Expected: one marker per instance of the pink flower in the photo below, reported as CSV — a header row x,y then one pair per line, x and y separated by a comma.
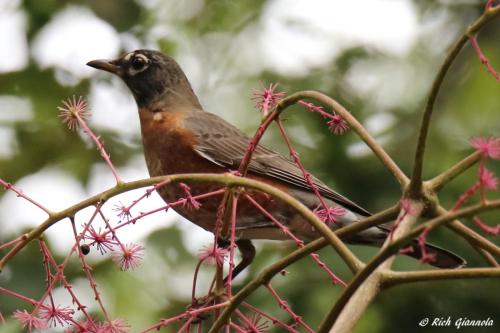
x,y
487,179
489,147
189,200
102,241
123,212
73,111
267,98
330,214
57,315
213,255
129,256
337,125
30,321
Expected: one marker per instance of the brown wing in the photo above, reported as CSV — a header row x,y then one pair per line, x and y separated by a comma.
x,y
225,145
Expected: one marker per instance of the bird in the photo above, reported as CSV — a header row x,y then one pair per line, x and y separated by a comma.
x,y
179,136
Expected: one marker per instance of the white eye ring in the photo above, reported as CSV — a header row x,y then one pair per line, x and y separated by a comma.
x,y
138,63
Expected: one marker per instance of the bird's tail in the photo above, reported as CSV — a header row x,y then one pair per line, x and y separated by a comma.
x,y
441,258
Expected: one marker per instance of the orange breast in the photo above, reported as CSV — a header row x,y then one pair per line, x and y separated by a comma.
x,y
168,149
168,146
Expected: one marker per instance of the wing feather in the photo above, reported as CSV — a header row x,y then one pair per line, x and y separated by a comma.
x,y
224,144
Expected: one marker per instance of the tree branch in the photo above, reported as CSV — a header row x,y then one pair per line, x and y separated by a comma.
x,y
227,179
475,239
415,186
354,124
391,278
392,248
437,183
267,274
366,284
489,258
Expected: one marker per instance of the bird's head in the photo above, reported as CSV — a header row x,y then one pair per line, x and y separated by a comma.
x,y
151,76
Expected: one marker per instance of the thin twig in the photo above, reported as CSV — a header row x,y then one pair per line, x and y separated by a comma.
x,y
19,193
88,271
305,174
100,147
288,309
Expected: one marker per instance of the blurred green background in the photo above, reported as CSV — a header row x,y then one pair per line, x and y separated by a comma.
x,y
377,58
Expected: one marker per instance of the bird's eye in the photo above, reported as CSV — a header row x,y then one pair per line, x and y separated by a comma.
x,y
138,63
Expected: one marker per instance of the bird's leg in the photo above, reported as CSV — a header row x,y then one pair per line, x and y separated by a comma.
x,y
247,251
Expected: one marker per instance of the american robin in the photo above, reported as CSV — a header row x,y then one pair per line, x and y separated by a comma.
x,y
180,137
